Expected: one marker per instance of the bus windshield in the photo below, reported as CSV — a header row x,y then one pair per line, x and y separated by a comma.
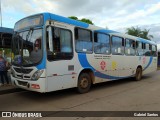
x,y
27,47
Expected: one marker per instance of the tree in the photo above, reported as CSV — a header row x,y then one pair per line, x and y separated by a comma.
x,y
87,21
145,34
134,31
73,17
83,19
139,33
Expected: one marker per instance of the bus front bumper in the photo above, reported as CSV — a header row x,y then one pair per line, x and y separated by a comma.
x,y
37,86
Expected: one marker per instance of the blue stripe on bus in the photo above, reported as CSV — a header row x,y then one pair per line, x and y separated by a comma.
x,y
145,41
149,63
85,64
105,76
106,31
42,65
46,17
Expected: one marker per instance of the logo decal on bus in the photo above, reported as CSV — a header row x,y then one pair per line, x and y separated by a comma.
x,y
114,65
103,65
144,60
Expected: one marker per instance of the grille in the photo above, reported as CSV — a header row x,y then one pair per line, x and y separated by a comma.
x,y
22,83
20,76
25,71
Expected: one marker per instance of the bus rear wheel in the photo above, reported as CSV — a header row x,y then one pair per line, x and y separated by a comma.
x,y
84,83
138,75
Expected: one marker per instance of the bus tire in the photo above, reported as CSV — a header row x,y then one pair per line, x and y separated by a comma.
x,y
138,75
84,83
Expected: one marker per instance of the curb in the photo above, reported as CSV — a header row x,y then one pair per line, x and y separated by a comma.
x,y
11,89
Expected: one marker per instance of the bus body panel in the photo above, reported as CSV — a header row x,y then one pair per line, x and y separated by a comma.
x,y
63,74
60,77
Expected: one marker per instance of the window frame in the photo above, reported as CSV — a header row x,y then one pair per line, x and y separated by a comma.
x,y
154,54
142,48
123,44
91,40
64,53
135,46
147,49
109,43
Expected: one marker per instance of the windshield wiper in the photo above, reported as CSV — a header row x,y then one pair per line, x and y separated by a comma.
x,y
30,32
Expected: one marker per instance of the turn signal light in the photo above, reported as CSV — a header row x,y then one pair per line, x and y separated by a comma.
x,y
35,86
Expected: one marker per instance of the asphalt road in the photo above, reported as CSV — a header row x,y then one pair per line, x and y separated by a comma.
x,y
121,95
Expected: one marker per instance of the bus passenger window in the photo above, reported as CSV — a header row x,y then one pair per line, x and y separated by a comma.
x,y
117,46
101,43
130,47
83,40
139,47
154,50
147,51
62,44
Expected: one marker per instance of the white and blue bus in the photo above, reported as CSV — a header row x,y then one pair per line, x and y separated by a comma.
x,y
51,52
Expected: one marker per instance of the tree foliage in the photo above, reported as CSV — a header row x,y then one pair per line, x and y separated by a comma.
x,y
73,17
87,21
136,31
83,19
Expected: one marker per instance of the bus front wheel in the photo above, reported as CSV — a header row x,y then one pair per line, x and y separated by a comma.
x,y
84,83
138,75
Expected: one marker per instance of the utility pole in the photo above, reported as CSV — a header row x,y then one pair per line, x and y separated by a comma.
x,y
1,22
1,12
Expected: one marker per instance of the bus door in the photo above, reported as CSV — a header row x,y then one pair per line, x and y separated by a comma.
x,y
60,64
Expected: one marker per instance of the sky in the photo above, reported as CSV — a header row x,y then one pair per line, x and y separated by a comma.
x,y
113,14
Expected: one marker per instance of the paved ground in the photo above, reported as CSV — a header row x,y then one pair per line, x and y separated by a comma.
x,y
123,95
7,88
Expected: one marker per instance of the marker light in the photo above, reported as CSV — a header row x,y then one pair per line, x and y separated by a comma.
x,y
35,86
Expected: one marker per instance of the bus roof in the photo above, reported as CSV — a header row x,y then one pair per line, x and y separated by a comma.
x,y
51,16
6,30
68,20
146,41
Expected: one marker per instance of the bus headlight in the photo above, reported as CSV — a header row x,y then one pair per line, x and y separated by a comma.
x,y
37,74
